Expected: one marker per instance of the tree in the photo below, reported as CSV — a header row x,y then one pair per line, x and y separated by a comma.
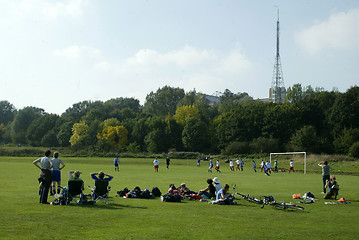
x,y
78,110
7,112
65,134
281,121
80,134
184,113
294,94
344,113
22,121
305,139
195,136
113,138
345,140
40,127
164,101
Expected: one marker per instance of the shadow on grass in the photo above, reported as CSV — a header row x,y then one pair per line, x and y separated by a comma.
x,y
109,206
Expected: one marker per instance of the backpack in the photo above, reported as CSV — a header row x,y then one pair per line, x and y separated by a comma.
x,y
145,194
156,192
123,192
171,197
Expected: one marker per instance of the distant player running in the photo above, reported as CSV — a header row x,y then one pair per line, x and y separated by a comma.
x,y
116,162
210,166
217,166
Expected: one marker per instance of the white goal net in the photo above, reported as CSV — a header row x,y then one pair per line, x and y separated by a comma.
x,y
292,153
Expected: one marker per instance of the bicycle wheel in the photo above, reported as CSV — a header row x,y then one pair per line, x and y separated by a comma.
x,y
293,206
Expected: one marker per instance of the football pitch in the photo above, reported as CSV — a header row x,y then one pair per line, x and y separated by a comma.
x,y
22,217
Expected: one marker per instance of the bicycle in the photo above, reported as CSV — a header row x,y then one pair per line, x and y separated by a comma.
x,y
269,200
248,198
283,205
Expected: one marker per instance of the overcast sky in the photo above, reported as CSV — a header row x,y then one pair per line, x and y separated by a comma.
x,y
57,53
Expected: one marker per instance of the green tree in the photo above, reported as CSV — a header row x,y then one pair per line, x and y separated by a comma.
x,y
294,94
344,113
23,118
7,112
194,135
281,121
345,140
40,127
305,139
164,101
65,134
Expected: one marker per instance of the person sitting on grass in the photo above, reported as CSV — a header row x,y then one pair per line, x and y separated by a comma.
x,y
101,176
210,191
333,188
223,193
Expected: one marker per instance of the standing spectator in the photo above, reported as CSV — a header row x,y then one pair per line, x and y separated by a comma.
x,y
168,162
242,164
56,173
275,166
269,166
45,177
217,166
325,173
210,166
116,162
231,165
238,162
291,166
156,163
254,166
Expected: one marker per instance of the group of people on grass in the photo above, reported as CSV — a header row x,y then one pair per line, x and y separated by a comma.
x,y
50,177
213,191
51,173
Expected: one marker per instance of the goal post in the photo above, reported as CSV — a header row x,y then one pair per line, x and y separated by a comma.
x,y
292,153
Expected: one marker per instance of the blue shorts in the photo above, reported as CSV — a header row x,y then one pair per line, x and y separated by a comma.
x,y
56,175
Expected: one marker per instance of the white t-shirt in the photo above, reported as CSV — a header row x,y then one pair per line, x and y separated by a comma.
x,y
217,163
238,161
56,163
231,163
156,162
291,164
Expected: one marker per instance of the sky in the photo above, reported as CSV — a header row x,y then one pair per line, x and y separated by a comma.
x,y
55,53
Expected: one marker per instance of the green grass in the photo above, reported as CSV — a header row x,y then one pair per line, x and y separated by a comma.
x,y
22,217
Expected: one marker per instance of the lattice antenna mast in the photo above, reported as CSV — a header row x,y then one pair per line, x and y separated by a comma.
x,y
277,81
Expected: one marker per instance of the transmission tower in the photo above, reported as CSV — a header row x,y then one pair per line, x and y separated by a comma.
x,y
277,91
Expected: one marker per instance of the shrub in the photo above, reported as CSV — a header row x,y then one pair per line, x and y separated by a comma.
x,y
354,150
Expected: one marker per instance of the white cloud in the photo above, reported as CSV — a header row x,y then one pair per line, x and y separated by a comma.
x,y
340,31
76,52
52,9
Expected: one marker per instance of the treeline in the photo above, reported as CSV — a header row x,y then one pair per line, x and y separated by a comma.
x,y
314,121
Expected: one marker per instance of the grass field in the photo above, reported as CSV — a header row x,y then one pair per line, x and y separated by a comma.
x,y
22,217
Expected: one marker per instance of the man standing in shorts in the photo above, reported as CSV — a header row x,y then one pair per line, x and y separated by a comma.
x,y
291,166
156,163
56,173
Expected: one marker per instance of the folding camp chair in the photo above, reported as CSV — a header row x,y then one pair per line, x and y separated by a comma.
x,y
74,190
100,191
